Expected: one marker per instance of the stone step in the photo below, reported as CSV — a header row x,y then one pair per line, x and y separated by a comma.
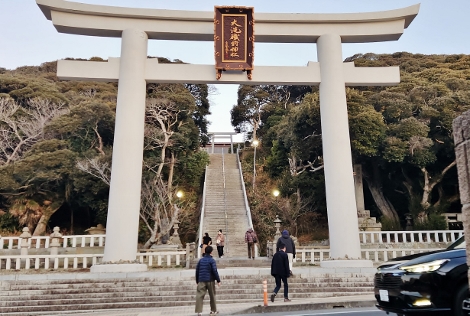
x,y
225,203
181,281
59,309
58,296
185,293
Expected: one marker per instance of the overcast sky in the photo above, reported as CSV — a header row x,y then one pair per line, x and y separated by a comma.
x,y
28,38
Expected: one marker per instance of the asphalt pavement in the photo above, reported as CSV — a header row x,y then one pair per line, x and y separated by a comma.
x,y
332,305
365,311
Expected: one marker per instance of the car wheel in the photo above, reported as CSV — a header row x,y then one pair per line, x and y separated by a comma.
x,y
461,295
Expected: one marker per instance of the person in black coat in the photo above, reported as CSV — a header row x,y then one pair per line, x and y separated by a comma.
x,y
206,241
280,271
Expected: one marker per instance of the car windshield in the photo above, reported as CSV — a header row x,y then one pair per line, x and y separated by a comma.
x,y
458,244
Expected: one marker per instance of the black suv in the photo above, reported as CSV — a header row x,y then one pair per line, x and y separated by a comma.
x,y
425,283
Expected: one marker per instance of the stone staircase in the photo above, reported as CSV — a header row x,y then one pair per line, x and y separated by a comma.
x,y
59,294
366,222
225,206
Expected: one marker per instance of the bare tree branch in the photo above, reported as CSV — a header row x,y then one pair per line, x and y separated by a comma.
x,y
96,168
22,127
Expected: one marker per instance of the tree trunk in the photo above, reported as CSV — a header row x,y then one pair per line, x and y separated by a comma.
x,y
430,182
375,187
153,237
298,206
163,155
171,172
427,188
44,220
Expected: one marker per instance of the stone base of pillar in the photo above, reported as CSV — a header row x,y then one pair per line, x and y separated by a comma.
x,y
116,267
346,264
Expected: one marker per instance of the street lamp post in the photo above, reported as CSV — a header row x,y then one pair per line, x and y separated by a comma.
x,y
255,144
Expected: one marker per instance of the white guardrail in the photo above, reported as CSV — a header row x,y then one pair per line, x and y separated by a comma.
x,y
384,246
83,261
365,237
312,255
74,241
398,237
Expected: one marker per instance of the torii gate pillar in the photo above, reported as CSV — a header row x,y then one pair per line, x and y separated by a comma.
x,y
128,149
339,180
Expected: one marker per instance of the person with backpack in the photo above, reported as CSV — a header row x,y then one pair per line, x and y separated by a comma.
x,y
206,275
286,239
251,239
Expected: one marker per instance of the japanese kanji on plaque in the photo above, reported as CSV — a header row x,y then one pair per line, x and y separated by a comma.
x,y
234,39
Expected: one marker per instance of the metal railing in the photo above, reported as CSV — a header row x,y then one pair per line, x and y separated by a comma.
x,y
247,205
227,237
201,221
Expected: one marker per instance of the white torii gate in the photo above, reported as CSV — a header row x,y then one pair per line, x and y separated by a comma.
x,y
133,70
225,135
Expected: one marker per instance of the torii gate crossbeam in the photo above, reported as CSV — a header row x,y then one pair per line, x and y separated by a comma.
x,y
133,70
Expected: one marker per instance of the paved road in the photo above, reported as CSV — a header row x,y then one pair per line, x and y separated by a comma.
x,y
331,312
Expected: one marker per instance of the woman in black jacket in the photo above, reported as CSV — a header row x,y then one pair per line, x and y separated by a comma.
x,y
206,241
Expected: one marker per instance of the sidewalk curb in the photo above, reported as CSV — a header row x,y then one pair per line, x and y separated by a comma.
x,y
308,306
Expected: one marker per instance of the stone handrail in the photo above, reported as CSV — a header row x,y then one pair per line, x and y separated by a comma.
x,y
247,205
157,257
315,255
227,232
396,237
84,261
27,262
201,221
74,241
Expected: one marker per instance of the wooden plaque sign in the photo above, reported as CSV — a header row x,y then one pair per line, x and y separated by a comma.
x,y
234,39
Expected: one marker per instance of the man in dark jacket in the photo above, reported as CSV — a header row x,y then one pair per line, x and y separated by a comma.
x,y
206,275
290,246
280,271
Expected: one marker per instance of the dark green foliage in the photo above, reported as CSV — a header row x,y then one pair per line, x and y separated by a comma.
x,y
401,135
191,169
9,223
389,224
434,221
276,162
46,180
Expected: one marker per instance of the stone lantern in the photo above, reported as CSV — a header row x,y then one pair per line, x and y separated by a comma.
x,y
24,245
409,225
175,239
55,241
278,223
271,247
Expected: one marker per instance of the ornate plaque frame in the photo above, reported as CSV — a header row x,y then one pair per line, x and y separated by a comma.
x,y
234,39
